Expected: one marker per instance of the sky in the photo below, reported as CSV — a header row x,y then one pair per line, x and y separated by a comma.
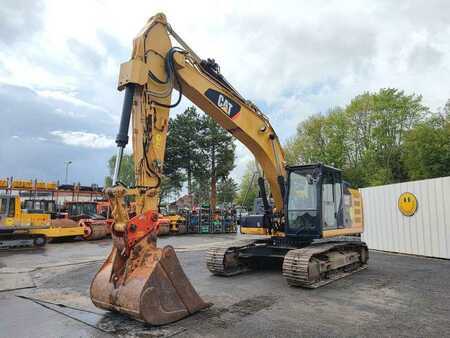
x,y
59,64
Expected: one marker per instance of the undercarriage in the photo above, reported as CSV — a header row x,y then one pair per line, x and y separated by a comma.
x,y
21,240
308,265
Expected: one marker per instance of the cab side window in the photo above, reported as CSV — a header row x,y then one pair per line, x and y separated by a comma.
x,y
12,207
7,206
3,206
328,203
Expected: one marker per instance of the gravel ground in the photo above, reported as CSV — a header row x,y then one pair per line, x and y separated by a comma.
x,y
396,296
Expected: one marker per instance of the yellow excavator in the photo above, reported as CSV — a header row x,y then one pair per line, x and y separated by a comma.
x,y
314,227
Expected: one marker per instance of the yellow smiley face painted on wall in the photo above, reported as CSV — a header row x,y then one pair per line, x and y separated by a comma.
x,y
407,204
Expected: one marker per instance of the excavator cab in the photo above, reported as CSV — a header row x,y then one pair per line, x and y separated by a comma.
x,y
314,203
319,203
313,200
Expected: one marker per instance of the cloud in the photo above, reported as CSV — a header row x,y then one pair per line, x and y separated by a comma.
x,y
71,114
33,152
19,19
89,55
84,139
68,97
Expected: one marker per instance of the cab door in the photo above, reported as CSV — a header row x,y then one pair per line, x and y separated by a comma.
x,y
329,216
7,208
303,209
332,216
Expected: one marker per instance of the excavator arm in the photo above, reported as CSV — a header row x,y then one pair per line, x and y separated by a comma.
x,y
138,278
153,71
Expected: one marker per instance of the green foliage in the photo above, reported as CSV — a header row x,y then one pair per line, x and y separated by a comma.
x,y
200,191
248,189
319,137
226,190
126,174
173,176
184,153
218,148
170,188
373,139
427,149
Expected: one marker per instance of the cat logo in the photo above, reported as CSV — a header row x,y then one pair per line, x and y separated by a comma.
x,y
227,105
224,104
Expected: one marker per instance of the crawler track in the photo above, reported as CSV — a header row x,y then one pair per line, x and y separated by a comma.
x,y
20,241
321,264
224,261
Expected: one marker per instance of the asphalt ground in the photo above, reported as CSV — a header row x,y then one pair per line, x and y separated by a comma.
x,y
45,293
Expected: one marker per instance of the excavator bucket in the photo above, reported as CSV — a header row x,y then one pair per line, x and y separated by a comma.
x,y
149,285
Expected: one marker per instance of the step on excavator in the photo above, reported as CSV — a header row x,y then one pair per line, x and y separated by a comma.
x,y
313,230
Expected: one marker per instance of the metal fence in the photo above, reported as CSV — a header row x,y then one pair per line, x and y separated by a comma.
x,y
426,232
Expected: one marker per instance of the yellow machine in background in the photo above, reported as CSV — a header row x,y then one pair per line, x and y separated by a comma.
x,y
19,228
177,224
30,221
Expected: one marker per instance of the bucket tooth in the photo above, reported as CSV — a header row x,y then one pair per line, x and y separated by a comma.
x,y
152,287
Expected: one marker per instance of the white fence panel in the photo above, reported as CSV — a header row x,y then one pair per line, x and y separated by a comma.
x,y
426,233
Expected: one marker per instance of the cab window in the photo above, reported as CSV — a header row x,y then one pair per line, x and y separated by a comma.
x,y
329,213
4,210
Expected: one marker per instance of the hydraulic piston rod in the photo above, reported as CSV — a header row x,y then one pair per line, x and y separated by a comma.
x,y
122,136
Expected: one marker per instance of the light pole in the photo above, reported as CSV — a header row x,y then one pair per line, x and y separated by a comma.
x,y
67,163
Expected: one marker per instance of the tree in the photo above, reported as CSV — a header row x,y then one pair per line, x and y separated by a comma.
x,y
126,174
365,139
446,110
184,146
248,189
319,139
226,190
427,149
377,123
168,190
218,149
173,176
200,191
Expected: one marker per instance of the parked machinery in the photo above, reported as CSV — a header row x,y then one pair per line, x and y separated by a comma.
x,y
85,214
29,215
202,221
164,225
20,228
60,226
178,224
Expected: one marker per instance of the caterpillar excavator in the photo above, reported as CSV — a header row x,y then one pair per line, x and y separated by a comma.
x,y
313,229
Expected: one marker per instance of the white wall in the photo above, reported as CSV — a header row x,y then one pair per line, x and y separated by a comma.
x,y
425,233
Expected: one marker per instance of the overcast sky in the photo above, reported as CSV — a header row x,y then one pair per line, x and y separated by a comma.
x,y
59,62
